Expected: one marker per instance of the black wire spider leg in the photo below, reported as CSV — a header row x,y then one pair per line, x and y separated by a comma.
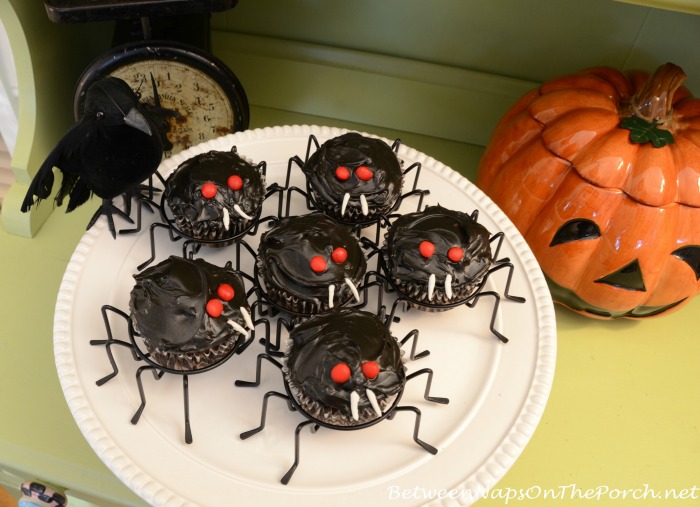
x,y
111,341
429,382
285,479
497,300
416,427
153,243
258,371
186,395
505,262
511,268
414,334
158,374
263,414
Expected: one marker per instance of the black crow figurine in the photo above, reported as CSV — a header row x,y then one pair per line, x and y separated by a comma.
x,y
114,147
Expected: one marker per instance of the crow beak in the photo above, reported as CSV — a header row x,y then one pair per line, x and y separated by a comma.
x,y
138,121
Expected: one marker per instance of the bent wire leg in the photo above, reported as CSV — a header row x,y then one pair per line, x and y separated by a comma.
x,y
290,472
111,341
511,268
157,374
497,300
258,370
416,427
263,414
414,334
429,382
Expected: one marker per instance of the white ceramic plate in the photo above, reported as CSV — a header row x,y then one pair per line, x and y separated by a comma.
x,y
497,391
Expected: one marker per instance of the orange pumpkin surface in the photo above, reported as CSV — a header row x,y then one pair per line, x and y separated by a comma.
x,y
600,172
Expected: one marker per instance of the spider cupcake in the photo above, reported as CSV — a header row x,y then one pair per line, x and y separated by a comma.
x,y
310,263
215,196
354,178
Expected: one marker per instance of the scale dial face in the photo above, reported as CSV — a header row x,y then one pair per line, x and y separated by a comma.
x,y
208,97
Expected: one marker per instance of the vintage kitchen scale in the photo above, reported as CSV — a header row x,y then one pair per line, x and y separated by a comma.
x,y
165,42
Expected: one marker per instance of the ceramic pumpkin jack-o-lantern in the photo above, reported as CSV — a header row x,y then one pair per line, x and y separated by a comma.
x,y
600,172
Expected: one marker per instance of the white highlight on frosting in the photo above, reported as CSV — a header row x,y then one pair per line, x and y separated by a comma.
x,y
242,213
226,219
363,203
346,200
373,401
353,289
431,286
247,319
448,286
236,326
354,404
331,294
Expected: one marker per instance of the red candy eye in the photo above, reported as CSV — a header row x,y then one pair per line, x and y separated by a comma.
x,y
339,255
225,292
341,373
455,254
370,369
234,182
215,308
364,173
318,264
342,173
427,249
209,190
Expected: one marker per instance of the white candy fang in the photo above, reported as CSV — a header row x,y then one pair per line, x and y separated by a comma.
x,y
354,403
373,401
242,213
246,317
343,207
353,289
331,294
363,203
236,326
448,286
431,287
226,219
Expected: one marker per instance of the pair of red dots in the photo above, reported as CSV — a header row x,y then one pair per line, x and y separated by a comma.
x,y
341,372
214,306
427,249
318,264
234,182
363,173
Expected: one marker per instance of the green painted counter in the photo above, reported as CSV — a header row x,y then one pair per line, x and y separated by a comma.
x,y
623,412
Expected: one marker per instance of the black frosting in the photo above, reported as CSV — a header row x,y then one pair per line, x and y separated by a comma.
x,y
350,336
285,252
353,150
444,228
202,217
168,305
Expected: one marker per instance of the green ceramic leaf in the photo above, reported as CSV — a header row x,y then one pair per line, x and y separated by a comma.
x,y
641,131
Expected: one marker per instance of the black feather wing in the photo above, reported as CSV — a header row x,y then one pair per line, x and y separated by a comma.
x,y
66,157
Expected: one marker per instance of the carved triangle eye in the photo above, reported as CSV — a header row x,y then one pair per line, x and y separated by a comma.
x,y
691,256
628,277
576,230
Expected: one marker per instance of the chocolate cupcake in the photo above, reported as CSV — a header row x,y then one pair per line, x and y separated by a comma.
x,y
344,367
215,196
354,178
437,257
310,263
189,313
